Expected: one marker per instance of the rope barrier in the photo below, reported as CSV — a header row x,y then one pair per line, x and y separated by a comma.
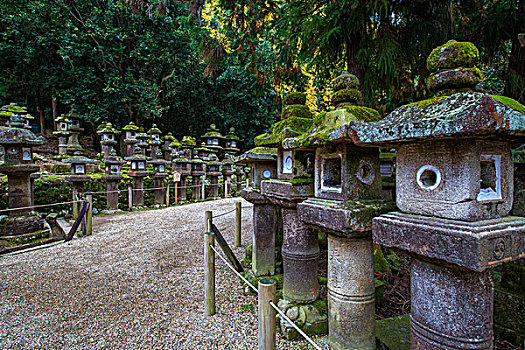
x,y
228,212
233,269
105,192
40,206
282,315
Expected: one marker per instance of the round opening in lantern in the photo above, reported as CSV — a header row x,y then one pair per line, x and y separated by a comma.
x,y
365,172
428,177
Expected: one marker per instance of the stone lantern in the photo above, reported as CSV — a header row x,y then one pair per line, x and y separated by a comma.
x,y
73,145
143,142
197,170
454,189
130,138
170,145
62,132
159,169
188,144
205,153
17,144
263,164
154,141
4,116
213,139
183,166
112,169
138,172
78,176
300,248
347,186
108,138
232,143
13,108
213,172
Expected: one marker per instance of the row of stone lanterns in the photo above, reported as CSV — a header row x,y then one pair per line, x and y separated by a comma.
x,y
454,188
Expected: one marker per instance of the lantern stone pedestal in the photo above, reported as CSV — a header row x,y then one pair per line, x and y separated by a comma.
x,y
239,172
265,220
183,166
112,189
227,173
213,173
197,170
160,189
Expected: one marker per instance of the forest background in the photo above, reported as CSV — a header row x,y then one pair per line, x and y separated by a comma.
x,y
186,64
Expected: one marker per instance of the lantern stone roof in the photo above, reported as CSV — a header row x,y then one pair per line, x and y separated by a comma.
x,y
169,137
189,141
466,114
78,158
175,144
62,118
212,133
107,129
130,127
295,120
331,126
154,130
257,154
231,135
16,134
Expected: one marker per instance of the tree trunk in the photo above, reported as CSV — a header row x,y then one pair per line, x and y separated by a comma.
x,y
515,78
42,120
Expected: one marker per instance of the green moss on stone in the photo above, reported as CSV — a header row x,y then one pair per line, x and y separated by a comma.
x,y
345,81
509,102
296,111
346,95
427,102
295,98
453,54
289,127
130,127
264,150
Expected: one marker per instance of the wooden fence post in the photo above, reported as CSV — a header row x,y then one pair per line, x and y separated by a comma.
x,y
167,201
209,274
238,211
89,215
75,204
267,290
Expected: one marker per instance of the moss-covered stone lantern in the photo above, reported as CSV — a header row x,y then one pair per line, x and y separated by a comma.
x,y
263,164
17,144
170,145
108,137
78,176
454,189
62,132
130,138
154,142
295,170
232,144
138,172
159,177
13,108
4,116
188,144
112,176
213,139
227,172
205,153
213,172
143,142
197,170
73,144
347,186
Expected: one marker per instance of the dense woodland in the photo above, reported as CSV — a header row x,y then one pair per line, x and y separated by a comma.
x,y
186,64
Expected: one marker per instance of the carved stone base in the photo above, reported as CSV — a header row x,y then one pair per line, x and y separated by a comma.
x,y
312,318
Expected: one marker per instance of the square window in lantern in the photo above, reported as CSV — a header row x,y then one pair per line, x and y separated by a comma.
x,y
490,178
234,144
79,169
133,166
331,174
142,165
26,154
115,169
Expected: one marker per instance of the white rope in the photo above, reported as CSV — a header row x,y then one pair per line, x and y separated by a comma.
x,y
39,206
234,271
282,315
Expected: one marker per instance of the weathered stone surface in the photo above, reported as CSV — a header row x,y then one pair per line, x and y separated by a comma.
x,y
450,309
351,293
300,251
458,115
312,318
159,193
345,81
138,191
348,219
112,193
18,225
393,333
452,55
287,193
295,98
457,170
454,79
475,246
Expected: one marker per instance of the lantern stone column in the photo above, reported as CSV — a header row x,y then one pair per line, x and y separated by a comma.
x,y
138,173
213,173
197,170
455,190
227,173
113,165
78,176
159,193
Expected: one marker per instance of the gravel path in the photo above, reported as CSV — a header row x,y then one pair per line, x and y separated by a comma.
x,y
136,283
